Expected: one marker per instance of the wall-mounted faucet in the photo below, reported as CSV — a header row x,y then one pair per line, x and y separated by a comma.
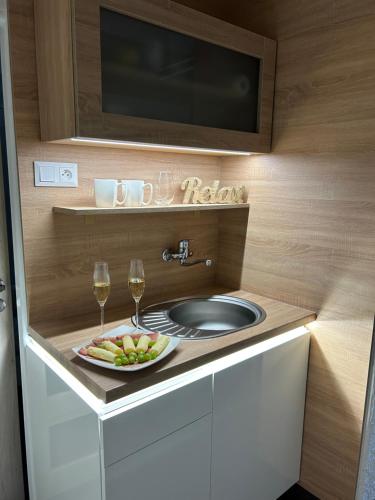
x,y
183,255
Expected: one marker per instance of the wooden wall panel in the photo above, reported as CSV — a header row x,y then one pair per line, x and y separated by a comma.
x,y
310,235
60,250
310,239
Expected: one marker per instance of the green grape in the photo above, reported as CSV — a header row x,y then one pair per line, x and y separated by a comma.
x,y
141,357
135,341
118,361
147,356
153,354
134,356
132,360
150,344
125,360
119,343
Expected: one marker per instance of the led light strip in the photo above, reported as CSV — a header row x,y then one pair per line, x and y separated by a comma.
x,y
108,410
70,380
208,369
159,147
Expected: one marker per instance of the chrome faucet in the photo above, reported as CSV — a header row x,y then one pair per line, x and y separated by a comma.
x,y
183,255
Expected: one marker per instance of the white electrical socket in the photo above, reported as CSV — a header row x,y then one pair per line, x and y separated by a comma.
x,y
53,174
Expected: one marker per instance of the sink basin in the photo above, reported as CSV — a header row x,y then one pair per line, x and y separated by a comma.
x,y
202,317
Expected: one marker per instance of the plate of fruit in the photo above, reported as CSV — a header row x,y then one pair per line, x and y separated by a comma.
x,y
125,350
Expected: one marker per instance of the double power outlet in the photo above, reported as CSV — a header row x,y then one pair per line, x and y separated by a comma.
x,y
53,174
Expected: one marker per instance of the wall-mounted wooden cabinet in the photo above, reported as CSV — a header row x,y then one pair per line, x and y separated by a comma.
x,y
151,72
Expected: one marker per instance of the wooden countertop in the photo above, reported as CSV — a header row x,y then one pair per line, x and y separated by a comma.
x,y
110,385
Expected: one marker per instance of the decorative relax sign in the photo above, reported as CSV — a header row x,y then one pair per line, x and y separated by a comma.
x,y
195,193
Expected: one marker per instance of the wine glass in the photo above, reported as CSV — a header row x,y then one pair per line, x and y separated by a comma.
x,y
101,288
164,188
136,282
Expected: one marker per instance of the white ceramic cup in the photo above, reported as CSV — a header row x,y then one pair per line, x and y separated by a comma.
x,y
106,193
133,191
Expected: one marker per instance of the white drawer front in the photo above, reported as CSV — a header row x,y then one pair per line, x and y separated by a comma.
x,y
176,467
133,429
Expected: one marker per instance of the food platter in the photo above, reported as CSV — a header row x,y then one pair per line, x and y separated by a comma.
x,y
117,334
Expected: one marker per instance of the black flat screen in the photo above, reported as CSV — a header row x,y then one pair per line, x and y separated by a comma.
x,y
153,72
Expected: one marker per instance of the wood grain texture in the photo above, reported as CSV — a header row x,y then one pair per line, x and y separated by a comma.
x,y
53,39
60,251
149,209
58,337
70,93
310,239
95,123
310,235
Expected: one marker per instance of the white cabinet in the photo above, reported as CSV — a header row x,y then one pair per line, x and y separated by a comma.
x,y
63,441
175,467
132,429
257,423
158,447
161,449
234,433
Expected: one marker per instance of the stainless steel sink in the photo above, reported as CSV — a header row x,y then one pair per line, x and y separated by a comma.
x,y
198,318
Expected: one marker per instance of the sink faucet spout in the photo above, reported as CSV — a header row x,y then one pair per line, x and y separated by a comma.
x,y
208,262
183,255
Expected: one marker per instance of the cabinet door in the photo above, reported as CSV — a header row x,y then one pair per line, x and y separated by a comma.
x,y
156,72
175,467
132,429
63,438
258,422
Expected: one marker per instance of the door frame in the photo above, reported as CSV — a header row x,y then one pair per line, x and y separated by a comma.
x,y
9,320
15,240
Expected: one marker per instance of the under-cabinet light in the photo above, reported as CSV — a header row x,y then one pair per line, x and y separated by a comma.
x,y
160,147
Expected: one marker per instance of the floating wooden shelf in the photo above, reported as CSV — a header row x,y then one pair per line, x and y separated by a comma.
x,y
147,209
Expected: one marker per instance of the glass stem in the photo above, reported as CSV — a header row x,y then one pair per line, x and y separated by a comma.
x,y
102,318
136,314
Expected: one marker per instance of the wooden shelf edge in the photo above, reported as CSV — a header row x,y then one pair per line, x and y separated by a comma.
x,y
147,209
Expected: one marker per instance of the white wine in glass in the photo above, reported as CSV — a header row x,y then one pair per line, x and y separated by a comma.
x,y
136,282
101,287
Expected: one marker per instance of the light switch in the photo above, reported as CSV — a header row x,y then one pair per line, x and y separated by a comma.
x,y
47,174
53,174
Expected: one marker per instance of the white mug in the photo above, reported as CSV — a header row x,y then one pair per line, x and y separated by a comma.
x,y
106,193
133,191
